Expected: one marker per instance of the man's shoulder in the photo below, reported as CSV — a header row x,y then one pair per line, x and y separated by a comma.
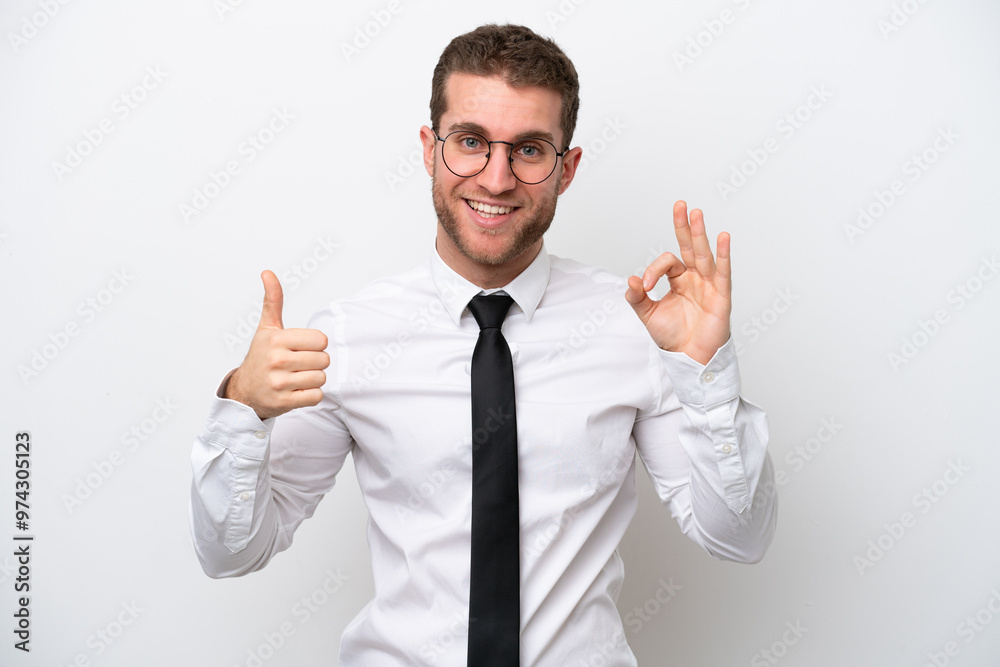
x,y
384,294
572,274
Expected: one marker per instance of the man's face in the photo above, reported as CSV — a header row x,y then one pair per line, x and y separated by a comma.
x,y
490,107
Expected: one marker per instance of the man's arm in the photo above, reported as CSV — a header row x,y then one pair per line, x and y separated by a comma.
x,y
709,463
714,473
256,478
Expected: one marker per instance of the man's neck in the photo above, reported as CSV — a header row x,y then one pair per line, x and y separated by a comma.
x,y
484,275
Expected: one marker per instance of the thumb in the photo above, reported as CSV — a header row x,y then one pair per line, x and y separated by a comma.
x,y
270,316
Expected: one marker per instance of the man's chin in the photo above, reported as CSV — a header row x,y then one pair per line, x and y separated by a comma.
x,y
494,249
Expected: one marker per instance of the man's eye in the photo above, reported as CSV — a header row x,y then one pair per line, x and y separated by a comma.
x,y
531,151
470,142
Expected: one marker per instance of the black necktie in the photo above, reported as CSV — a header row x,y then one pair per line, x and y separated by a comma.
x,y
495,585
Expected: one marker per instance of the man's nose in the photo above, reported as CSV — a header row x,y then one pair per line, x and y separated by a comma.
x,y
497,176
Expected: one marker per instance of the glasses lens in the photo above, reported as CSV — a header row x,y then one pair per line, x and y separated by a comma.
x,y
532,160
465,153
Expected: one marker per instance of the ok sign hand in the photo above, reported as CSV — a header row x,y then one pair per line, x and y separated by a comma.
x,y
693,317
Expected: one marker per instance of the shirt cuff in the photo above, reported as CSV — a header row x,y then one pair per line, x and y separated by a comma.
x,y
715,383
236,428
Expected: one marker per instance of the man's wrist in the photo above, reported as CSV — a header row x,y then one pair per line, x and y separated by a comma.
x,y
226,385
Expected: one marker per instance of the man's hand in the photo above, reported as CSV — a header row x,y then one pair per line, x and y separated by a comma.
x,y
284,368
693,317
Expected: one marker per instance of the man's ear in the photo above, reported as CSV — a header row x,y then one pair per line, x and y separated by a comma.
x,y
570,161
429,142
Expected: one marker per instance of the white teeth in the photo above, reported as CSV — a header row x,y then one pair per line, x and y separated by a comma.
x,y
488,211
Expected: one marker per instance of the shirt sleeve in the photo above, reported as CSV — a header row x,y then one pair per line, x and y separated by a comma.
x,y
705,449
254,482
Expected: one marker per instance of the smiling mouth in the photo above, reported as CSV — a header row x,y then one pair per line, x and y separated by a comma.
x,y
488,211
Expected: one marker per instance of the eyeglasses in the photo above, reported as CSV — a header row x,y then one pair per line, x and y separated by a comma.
x,y
466,154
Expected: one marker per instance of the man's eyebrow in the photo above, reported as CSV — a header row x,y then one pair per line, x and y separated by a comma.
x,y
479,129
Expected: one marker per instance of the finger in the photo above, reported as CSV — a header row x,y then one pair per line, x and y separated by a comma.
x,y
310,340
638,299
703,260
306,397
270,316
304,380
302,361
667,265
683,232
724,267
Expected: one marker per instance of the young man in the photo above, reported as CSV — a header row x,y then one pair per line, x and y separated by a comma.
x,y
594,386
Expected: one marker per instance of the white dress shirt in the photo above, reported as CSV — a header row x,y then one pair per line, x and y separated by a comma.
x,y
592,390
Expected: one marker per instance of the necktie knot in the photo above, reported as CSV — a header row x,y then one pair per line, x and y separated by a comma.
x,y
490,310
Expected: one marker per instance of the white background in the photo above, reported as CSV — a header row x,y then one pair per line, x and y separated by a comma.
x,y
819,307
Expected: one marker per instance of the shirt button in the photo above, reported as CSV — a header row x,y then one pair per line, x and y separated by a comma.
x,y
708,377
245,495
260,434
726,448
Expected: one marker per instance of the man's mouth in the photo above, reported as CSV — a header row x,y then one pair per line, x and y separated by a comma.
x,y
488,211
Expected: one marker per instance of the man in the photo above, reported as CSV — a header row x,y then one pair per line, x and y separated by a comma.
x,y
594,385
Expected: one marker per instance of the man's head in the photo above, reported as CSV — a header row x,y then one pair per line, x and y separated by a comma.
x,y
520,58
492,88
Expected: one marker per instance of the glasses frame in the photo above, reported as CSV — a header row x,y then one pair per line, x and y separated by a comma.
x,y
489,154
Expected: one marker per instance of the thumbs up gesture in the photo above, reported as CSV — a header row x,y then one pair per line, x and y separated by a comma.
x,y
283,369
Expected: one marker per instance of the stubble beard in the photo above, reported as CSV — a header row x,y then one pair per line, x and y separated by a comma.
x,y
523,237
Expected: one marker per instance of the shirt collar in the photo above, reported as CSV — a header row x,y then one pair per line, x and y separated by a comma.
x,y
526,289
